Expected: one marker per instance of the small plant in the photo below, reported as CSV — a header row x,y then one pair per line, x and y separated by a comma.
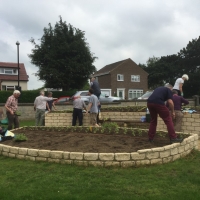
x,y
20,137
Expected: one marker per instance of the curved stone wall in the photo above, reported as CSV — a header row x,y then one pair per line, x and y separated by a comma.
x,y
159,155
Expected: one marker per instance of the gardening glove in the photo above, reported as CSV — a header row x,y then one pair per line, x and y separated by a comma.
x,y
182,94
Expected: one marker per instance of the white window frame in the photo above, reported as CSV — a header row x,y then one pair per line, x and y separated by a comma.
x,y
120,77
12,71
137,93
135,78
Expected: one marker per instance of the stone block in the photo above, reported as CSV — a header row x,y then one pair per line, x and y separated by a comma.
x,y
167,159
126,164
23,151
76,155
81,163
52,160
33,152
156,161
181,149
1,147
187,146
11,155
91,156
112,164
40,159
165,153
122,156
142,162
158,149
152,155
106,156
175,157
20,156
6,148
96,163
4,153
32,158
14,150
137,156
56,154
68,162
174,151
144,151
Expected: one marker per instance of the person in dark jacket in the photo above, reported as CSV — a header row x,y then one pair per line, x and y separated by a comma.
x,y
156,106
95,86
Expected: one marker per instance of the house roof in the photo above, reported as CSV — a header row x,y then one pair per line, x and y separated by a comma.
x,y
22,72
108,68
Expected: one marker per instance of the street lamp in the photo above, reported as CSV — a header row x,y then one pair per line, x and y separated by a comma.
x,y
17,43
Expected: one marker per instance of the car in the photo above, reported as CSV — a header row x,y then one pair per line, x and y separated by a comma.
x,y
62,100
145,95
103,97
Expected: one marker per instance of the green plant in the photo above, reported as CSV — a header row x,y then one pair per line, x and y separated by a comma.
x,y
20,137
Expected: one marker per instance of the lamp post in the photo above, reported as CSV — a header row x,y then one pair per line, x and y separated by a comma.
x,y
17,43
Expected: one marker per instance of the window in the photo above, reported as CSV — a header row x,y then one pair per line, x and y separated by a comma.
x,y
132,94
135,78
8,71
120,77
10,88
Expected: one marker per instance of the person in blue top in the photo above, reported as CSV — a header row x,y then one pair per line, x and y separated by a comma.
x,y
156,106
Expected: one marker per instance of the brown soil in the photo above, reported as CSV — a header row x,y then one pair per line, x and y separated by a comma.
x,y
85,142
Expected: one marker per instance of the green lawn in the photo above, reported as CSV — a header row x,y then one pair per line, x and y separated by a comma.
x,y
40,180
20,180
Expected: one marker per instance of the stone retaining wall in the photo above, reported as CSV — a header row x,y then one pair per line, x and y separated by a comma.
x,y
190,124
159,155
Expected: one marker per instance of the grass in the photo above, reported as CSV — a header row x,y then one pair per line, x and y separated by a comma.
x,y
20,179
39,180
27,123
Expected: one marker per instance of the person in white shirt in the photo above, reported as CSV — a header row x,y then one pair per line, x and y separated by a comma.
x,y
178,86
40,107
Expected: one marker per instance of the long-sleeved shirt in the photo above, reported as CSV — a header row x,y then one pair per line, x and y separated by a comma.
x,y
40,102
178,101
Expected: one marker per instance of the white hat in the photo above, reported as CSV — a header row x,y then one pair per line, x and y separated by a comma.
x,y
185,76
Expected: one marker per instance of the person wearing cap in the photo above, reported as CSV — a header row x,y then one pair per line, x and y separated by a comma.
x,y
178,86
156,106
11,108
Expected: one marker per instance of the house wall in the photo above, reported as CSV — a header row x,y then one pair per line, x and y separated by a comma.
x,y
127,69
105,81
23,84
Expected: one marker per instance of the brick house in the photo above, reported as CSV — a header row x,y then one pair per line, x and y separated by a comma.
x,y
9,76
125,79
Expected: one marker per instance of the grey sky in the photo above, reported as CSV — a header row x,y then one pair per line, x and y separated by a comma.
x,y
115,29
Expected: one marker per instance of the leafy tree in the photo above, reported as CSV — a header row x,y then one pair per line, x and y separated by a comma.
x,y
63,57
189,60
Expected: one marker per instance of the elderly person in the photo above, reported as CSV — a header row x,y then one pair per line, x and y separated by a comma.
x,y
40,107
156,106
178,86
78,105
11,108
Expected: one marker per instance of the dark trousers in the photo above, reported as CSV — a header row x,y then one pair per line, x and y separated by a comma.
x,y
77,113
12,119
163,112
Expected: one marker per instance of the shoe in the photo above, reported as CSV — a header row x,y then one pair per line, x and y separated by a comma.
x,y
151,140
176,140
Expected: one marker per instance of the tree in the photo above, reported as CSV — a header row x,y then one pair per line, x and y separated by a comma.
x,y
63,57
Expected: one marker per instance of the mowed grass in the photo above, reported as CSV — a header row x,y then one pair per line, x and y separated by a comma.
x,y
21,179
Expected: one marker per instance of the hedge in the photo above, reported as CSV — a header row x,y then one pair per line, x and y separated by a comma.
x,y
29,96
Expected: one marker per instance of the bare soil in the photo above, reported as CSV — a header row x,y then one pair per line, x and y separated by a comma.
x,y
86,142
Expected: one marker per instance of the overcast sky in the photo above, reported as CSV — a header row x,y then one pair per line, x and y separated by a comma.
x,y
115,29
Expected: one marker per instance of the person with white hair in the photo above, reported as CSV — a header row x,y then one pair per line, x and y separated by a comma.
x,y
178,86
40,108
11,109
